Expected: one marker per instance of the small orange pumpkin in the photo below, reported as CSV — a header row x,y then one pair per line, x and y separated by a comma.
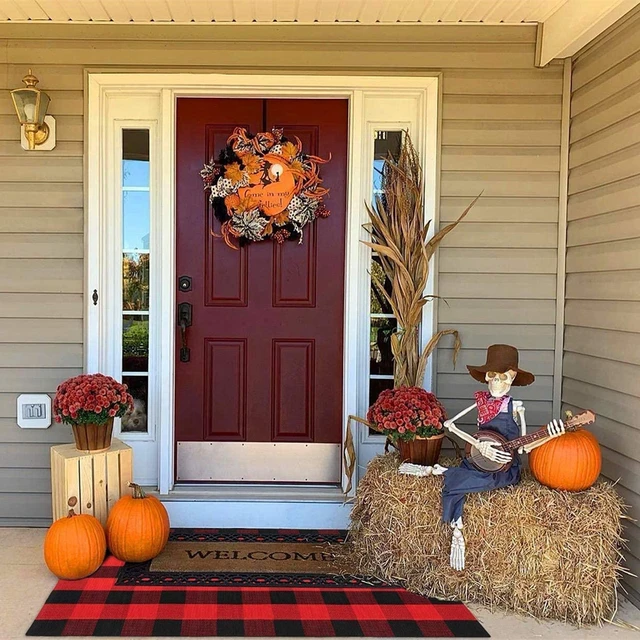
x,y
571,462
137,527
75,545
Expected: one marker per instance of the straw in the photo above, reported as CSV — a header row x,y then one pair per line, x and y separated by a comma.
x,y
529,549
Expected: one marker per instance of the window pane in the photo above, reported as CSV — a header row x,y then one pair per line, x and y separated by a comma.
x,y
135,158
135,189
136,420
135,282
386,143
381,358
135,220
377,386
379,304
135,343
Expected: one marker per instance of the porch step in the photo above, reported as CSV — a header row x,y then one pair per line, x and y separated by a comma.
x,y
253,493
257,506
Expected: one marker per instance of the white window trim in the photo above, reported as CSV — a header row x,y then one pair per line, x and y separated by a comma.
x,y
102,352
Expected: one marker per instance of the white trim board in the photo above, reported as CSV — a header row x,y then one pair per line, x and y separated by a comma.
x,y
258,515
117,100
262,506
561,275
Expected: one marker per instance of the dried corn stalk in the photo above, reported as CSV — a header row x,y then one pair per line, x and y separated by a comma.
x,y
399,237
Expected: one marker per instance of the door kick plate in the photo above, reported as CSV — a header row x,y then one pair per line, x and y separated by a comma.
x,y
259,462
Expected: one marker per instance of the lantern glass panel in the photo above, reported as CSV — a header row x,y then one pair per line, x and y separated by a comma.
x,y
25,104
31,105
44,105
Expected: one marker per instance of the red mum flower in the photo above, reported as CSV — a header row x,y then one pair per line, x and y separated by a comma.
x,y
89,397
406,412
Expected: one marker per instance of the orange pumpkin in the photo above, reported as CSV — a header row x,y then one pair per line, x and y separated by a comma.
x,y
571,462
75,546
137,527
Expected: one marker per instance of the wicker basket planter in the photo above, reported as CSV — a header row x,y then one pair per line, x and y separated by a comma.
x,y
425,451
93,437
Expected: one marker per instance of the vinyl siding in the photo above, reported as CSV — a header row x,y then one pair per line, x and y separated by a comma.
x,y
497,271
602,316
500,134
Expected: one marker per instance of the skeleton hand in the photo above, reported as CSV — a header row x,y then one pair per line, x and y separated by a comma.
x,y
456,558
488,450
555,428
438,470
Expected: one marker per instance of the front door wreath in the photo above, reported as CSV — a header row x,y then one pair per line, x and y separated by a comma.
x,y
264,186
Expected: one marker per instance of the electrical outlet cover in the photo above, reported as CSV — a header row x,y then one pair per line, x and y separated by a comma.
x,y
34,411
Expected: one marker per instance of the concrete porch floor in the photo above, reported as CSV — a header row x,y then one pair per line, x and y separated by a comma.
x,y
25,583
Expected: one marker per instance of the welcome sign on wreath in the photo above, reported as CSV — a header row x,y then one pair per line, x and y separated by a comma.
x,y
264,186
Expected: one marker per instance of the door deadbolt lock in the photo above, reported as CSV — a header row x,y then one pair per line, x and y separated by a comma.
x,y
184,283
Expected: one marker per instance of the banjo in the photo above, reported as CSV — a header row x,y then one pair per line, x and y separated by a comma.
x,y
511,446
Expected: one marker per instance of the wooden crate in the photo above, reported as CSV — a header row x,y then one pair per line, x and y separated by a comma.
x,y
97,480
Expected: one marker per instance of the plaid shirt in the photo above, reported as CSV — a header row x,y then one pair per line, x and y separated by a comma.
x,y
489,407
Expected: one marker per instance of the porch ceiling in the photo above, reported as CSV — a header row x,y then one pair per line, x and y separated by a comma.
x,y
301,11
564,26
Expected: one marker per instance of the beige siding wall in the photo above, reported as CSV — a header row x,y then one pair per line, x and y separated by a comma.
x,y
602,337
500,134
497,272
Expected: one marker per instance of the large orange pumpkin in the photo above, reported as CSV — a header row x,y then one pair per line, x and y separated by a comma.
x,y
137,527
571,462
75,546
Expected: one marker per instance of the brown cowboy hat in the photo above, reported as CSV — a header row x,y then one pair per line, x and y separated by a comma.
x,y
501,358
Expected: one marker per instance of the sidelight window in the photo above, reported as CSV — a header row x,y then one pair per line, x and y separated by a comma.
x,y
382,322
136,205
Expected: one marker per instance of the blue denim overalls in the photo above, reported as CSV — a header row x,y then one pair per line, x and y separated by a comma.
x,y
458,481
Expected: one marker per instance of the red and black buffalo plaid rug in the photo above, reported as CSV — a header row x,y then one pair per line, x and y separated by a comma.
x,y
118,601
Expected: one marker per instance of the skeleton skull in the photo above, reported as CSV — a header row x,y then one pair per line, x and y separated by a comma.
x,y
500,383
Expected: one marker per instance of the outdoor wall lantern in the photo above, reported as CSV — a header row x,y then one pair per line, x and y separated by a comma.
x,y
37,128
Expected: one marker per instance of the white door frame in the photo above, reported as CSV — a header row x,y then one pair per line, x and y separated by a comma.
x,y
117,100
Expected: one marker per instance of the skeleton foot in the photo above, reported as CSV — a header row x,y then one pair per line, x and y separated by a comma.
x,y
421,470
456,559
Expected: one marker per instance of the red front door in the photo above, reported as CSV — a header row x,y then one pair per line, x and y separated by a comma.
x,y
260,398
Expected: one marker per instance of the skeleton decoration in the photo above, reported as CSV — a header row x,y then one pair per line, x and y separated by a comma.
x,y
498,412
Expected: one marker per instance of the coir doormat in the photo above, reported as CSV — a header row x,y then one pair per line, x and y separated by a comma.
x,y
106,605
247,557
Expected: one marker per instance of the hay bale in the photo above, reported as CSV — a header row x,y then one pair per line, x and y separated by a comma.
x,y
529,549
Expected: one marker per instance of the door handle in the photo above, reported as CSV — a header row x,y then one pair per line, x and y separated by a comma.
x,y
185,314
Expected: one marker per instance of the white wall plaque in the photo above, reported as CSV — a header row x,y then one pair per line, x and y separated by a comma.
x,y
34,411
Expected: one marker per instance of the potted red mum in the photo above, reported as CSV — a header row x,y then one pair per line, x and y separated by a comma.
x,y
411,418
89,403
